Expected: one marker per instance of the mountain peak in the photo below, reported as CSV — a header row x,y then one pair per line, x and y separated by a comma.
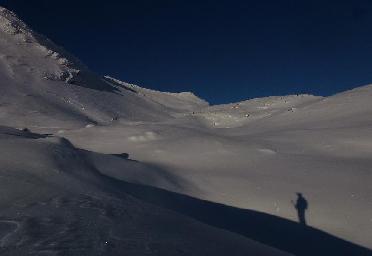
x,y
54,63
11,24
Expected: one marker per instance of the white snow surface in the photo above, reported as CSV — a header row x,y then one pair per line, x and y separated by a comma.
x,y
253,155
40,81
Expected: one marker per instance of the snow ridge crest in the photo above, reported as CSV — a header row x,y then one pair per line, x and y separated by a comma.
x,y
11,24
19,31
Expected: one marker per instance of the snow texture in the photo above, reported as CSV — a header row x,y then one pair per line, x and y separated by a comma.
x,y
97,166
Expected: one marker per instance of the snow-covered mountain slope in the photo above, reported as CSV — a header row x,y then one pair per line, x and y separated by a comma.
x,y
178,102
321,147
55,202
253,156
42,85
241,113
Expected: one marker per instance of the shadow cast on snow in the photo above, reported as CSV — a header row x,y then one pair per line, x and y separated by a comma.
x,y
23,133
124,156
268,229
271,230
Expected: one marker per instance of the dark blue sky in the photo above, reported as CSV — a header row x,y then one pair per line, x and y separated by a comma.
x,y
224,51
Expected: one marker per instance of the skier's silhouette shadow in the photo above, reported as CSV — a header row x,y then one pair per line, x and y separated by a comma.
x,y
283,234
301,206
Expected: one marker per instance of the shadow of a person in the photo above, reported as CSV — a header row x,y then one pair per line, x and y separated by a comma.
x,y
301,206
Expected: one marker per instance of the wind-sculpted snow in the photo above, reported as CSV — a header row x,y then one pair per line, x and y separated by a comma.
x,y
143,172
54,201
318,146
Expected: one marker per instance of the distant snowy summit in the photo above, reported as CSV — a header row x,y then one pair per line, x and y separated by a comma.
x,y
59,64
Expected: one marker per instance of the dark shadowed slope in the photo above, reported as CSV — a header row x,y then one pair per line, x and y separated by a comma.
x,y
53,202
268,229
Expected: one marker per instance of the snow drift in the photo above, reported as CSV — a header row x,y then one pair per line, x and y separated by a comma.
x,y
147,172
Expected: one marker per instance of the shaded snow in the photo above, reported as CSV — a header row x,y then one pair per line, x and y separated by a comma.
x,y
108,188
